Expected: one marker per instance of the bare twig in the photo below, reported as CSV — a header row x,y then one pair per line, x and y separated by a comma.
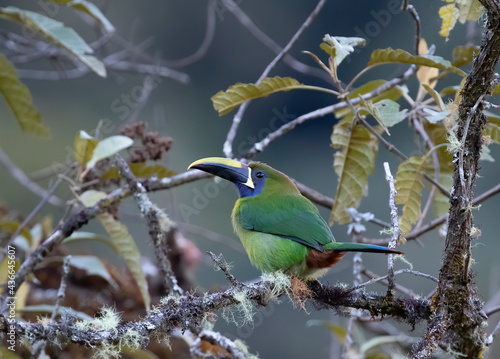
x,y
406,6
161,228
398,272
395,228
247,22
30,217
489,340
215,338
227,148
61,294
220,263
26,182
205,44
328,110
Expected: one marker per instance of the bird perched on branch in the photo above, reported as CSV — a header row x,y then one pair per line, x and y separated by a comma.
x,y
279,227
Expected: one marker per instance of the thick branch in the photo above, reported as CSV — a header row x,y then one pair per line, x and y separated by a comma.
x,y
459,317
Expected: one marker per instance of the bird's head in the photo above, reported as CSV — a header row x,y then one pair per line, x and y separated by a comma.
x,y
250,179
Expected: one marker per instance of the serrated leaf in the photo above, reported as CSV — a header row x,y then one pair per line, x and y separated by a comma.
x,y
394,93
386,112
123,241
460,10
353,163
390,55
449,16
90,9
92,266
84,146
56,32
19,99
340,332
141,170
409,186
49,308
108,147
338,47
226,101
463,55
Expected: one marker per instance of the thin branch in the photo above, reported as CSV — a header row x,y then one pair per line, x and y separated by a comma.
x,y
395,227
221,264
228,144
26,182
61,294
328,110
406,6
398,272
393,149
30,217
247,23
205,44
161,228
188,311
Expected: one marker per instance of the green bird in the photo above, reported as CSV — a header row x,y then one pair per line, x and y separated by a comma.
x,y
279,227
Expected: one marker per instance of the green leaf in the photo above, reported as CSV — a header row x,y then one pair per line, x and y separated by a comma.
x,y
141,170
353,164
90,9
338,47
409,186
19,99
49,308
339,331
225,101
435,95
123,241
108,147
84,147
56,32
386,112
394,93
92,266
463,55
389,55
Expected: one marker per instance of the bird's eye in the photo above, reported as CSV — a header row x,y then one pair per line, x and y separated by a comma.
x,y
260,174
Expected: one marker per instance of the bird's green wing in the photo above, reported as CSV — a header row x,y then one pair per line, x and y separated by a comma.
x,y
293,217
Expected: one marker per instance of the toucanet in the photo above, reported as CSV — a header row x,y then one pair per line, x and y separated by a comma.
x,y
279,227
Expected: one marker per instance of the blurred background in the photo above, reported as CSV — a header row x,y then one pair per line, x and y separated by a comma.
x,y
172,30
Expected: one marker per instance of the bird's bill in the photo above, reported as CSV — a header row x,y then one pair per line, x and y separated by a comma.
x,y
230,170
